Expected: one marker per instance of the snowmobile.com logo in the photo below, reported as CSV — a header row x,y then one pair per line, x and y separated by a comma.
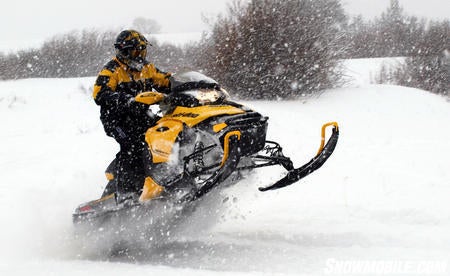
x,y
361,267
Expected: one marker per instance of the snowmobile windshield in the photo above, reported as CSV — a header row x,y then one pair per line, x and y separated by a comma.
x,y
191,81
194,89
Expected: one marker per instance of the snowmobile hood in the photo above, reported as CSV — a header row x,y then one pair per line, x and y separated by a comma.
x,y
192,116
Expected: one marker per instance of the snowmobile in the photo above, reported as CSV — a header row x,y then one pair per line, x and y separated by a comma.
x,y
202,141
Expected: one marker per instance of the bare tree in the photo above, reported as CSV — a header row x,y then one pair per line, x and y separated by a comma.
x,y
275,48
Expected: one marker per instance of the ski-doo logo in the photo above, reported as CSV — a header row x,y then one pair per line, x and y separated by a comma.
x,y
190,115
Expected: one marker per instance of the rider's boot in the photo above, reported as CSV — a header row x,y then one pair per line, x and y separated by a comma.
x,y
151,190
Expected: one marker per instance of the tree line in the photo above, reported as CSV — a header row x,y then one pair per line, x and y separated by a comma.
x,y
425,45
266,49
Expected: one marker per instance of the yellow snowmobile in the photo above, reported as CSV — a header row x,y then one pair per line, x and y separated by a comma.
x,y
202,141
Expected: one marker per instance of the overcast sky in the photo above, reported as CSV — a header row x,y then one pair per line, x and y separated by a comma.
x,y
40,19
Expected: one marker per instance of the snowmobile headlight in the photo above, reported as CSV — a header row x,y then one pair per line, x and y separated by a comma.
x,y
205,96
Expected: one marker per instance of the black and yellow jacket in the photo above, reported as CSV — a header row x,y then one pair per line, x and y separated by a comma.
x,y
114,87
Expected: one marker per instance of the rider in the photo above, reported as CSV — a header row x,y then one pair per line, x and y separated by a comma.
x,y
121,79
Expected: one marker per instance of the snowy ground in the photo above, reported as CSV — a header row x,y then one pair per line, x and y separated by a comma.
x,y
382,197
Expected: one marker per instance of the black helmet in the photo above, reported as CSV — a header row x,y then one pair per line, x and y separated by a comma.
x,y
131,49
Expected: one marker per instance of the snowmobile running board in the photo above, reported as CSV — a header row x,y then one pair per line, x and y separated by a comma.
x,y
323,154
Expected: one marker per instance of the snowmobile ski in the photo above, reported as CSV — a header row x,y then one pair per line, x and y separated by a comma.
x,y
323,154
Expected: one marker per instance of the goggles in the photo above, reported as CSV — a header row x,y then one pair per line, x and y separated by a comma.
x,y
140,51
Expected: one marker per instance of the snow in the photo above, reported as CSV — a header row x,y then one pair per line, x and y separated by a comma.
x,y
363,70
382,196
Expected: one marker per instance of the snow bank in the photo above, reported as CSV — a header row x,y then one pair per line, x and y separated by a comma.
x,y
364,71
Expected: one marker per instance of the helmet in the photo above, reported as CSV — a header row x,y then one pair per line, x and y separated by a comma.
x,y
131,49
